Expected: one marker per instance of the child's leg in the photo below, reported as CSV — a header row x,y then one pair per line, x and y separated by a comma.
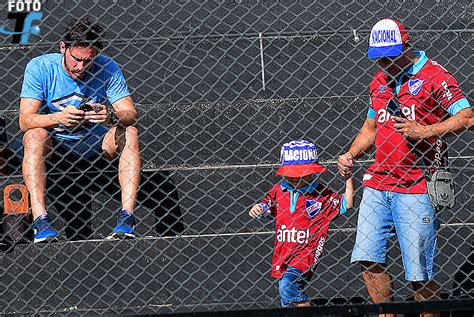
x,y
291,287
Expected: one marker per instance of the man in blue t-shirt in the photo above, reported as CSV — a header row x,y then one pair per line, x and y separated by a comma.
x,y
62,108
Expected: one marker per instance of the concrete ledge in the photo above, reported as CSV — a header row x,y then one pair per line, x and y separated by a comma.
x,y
188,273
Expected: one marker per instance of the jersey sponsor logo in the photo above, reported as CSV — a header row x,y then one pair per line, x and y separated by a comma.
x,y
414,86
447,94
383,115
313,207
285,234
438,155
319,251
334,201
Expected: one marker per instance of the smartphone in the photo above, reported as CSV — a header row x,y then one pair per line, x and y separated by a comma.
x,y
84,106
394,109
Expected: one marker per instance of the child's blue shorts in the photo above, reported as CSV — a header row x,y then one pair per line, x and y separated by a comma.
x,y
291,287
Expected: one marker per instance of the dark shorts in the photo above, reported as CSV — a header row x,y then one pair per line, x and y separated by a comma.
x,y
87,148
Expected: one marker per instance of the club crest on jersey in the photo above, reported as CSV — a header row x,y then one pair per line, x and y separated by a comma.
x,y
382,89
414,86
313,207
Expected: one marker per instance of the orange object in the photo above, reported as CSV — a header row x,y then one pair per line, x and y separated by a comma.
x,y
15,199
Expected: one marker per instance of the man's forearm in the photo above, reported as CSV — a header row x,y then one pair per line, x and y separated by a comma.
x,y
360,146
33,120
127,117
364,141
126,113
451,126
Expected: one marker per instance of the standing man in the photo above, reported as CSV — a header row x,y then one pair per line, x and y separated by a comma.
x,y
62,109
414,102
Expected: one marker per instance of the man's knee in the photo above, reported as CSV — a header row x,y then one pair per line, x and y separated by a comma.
x,y
131,132
127,138
425,290
372,267
37,141
126,135
131,136
118,138
35,136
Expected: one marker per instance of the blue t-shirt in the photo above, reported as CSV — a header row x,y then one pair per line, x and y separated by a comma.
x,y
46,80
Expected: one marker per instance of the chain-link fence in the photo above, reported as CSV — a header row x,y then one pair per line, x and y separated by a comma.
x,y
220,86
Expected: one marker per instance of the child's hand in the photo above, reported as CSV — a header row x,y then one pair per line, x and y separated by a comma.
x,y
256,211
345,163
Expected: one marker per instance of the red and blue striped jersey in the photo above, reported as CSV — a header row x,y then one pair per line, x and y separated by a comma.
x,y
428,94
302,218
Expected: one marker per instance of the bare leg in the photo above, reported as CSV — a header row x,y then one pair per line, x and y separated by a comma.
x,y
426,291
124,141
37,144
379,284
302,304
129,169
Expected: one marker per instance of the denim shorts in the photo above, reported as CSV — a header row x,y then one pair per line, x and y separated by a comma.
x,y
88,148
415,223
291,287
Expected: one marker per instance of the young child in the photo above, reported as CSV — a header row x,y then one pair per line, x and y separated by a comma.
x,y
303,209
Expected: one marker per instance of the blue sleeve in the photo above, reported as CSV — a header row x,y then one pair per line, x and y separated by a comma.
x,y
33,83
343,208
371,113
458,106
117,87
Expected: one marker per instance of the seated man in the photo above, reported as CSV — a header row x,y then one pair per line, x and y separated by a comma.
x,y
62,109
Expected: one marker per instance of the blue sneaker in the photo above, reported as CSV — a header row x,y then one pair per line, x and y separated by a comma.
x,y
43,230
124,227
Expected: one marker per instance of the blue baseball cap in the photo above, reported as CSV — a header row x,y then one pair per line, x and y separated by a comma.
x,y
387,38
299,158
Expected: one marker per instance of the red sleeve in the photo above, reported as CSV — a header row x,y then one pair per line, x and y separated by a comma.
x,y
333,204
372,89
446,89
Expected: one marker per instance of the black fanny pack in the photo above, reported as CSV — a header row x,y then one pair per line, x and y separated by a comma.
x,y
440,184
440,187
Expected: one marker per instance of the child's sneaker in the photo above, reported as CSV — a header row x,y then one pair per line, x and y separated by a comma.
x,y
124,227
43,230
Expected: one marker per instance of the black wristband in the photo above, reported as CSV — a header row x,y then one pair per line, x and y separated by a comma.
x,y
113,119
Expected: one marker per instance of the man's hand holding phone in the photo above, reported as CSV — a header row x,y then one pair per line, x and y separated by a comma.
x,y
409,128
70,116
394,109
96,114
